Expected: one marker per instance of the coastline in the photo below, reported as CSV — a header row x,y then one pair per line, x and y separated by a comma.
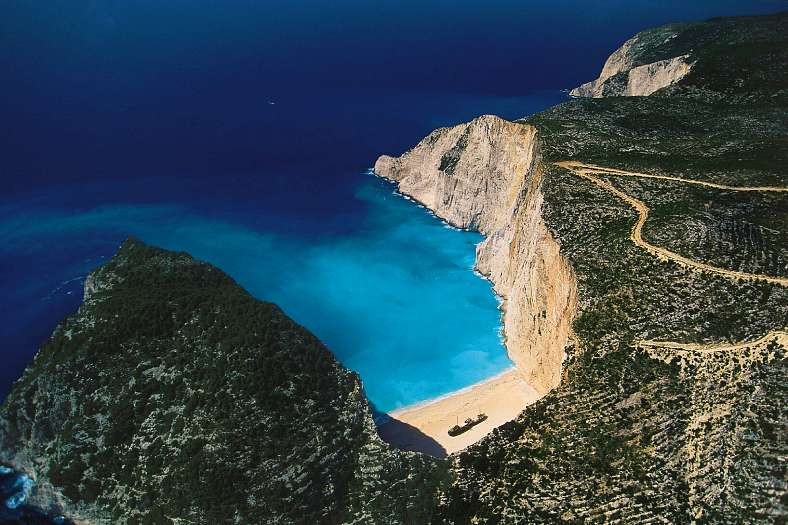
x,y
424,427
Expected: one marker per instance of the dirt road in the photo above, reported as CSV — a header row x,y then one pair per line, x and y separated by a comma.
x,y
586,171
780,335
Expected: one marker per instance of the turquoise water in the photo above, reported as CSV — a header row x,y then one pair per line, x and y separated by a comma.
x,y
238,130
387,286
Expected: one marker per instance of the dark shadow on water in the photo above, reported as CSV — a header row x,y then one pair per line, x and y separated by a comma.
x,y
408,437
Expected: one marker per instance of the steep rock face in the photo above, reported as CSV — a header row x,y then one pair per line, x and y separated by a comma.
x,y
485,175
173,392
735,59
646,79
444,171
629,54
637,81
631,71
525,265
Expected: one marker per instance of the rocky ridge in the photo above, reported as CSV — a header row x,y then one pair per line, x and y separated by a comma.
x,y
173,394
626,73
716,59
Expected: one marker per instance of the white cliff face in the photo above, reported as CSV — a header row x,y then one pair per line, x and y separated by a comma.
x,y
622,59
624,74
645,80
485,175
639,81
525,265
443,171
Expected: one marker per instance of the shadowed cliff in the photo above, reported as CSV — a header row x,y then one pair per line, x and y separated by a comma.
x,y
409,437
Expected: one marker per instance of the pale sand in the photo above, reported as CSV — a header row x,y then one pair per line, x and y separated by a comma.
x,y
419,427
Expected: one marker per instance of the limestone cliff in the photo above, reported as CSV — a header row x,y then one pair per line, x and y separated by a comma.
x,y
628,71
485,175
629,54
638,81
737,59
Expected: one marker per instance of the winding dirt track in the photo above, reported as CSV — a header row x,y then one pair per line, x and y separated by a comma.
x,y
780,335
586,171
579,166
636,236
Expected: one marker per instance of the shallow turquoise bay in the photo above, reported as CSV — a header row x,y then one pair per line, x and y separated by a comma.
x,y
387,286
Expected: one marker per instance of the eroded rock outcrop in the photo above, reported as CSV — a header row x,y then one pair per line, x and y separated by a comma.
x,y
629,72
485,175
639,81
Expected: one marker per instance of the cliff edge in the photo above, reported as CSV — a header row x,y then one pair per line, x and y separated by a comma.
x,y
722,58
485,175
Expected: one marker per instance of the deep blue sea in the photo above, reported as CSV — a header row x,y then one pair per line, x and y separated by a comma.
x,y
242,132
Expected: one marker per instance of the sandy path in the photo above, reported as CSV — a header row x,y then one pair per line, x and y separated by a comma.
x,y
573,165
586,170
636,236
780,335
502,398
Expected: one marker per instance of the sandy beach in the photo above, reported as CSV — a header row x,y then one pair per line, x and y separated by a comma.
x,y
424,427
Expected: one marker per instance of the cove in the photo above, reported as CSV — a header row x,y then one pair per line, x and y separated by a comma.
x,y
387,286
238,131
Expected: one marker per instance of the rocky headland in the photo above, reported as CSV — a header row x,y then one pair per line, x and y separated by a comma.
x,y
629,71
485,175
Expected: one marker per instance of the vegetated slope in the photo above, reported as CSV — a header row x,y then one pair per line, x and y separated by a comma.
x,y
733,59
174,394
672,433
597,175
